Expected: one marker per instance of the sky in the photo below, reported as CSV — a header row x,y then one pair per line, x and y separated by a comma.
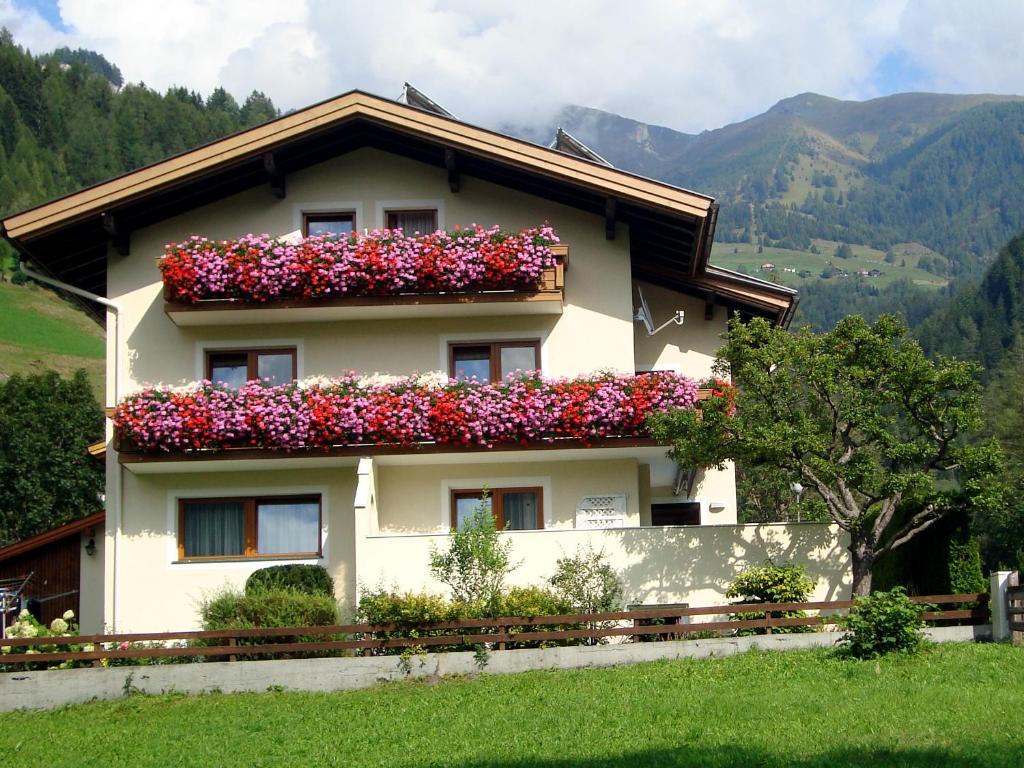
x,y
687,65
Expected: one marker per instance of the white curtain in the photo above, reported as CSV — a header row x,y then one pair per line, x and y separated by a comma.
x,y
288,527
214,528
520,511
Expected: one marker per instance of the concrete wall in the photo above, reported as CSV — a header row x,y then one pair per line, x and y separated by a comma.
x,y
55,688
155,592
692,565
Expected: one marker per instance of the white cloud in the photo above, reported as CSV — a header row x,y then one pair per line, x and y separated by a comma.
x,y
690,65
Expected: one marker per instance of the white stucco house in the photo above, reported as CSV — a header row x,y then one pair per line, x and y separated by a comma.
x,y
184,520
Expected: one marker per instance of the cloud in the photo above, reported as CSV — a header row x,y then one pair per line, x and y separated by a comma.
x,y
689,65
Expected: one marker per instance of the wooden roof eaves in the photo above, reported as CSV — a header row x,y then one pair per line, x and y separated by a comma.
x,y
55,534
355,104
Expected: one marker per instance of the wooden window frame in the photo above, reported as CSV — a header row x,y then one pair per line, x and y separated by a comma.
x,y
315,216
495,354
251,545
497,503
393,212
252,359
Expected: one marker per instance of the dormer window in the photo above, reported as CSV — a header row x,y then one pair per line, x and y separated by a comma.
x,y
234,367
329,224
422,221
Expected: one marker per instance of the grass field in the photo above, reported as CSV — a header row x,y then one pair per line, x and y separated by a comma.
x,y
952,707
39,331
745,258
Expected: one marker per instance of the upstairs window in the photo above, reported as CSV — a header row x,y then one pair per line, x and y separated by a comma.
x,y
514,509
492,360
418,222
334,224
234,367
249,527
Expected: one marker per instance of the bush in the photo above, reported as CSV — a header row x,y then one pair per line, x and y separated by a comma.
x,y
27,626
965,575
530,602
308,579
381,606
476,562
19,278
882,623
231,609
771,583
587,583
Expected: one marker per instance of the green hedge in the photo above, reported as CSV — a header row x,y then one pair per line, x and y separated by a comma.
x,y
310,579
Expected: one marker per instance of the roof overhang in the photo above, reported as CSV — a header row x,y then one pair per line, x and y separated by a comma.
x,y
670,229
56,534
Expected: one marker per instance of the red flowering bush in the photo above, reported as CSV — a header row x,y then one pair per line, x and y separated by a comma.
x,y
345,412
385,262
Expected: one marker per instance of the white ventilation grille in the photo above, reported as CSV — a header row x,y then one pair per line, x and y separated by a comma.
x,y
608,511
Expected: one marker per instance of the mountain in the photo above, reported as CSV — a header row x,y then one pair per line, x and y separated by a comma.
x,y
943,171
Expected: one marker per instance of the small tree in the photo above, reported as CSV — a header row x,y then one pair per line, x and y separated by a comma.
x,y
858,415
587,582
476,561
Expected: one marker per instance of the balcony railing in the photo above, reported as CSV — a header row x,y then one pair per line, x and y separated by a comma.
x,y
348,417
379,275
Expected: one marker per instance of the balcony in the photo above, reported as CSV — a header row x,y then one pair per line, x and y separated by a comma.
x,y
336,421
377,276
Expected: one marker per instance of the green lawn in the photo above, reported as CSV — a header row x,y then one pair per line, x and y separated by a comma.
x,y
955,706
39,331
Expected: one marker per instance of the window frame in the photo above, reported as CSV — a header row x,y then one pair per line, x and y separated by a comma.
x,y
495,354
251,539
389,212
251,361
497,503
315,216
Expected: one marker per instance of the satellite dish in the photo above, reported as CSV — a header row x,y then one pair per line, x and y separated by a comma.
x,y
642,314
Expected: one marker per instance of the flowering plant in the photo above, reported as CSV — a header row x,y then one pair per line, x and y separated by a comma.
x,y
524,408
384,262
27,626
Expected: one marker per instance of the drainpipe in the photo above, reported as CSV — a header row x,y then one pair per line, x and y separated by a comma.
x,y
118,485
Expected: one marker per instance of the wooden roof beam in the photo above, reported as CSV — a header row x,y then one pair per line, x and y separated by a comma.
x,y
451,164
609,218
274,174
119,236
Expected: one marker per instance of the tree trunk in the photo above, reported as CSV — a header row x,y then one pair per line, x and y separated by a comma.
x,y
862,559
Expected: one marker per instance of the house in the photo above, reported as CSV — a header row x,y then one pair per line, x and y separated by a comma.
x,y
59,570
626,288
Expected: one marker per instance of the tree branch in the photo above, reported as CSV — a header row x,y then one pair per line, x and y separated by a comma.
x,y
922,520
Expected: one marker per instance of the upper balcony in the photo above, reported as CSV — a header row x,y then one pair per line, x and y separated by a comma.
x,y
378,275
349,417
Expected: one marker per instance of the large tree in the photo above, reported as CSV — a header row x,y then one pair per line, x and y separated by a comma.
x,y
47,477
859,415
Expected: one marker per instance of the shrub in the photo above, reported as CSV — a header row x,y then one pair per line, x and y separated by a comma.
x,y
965,575
530,602
882,623
771,583
381,606
586,582
476,561
231,609
308,579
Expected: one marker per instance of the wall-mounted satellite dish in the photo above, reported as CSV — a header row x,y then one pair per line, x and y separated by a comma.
x,y
642,314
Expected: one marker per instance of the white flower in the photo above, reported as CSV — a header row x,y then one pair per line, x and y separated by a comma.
x,y
24,614
59,626
68,615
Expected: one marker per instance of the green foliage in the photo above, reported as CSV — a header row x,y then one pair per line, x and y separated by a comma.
x,y
532,601
475,562
965,576
858,415
771,583
310,579
844,251
587,582
381,606
881,623
231,609
46,476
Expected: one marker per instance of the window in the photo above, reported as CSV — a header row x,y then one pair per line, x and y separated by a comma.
x,y
421,222
234,367
687,513
514,509
249,527
328,224
492,361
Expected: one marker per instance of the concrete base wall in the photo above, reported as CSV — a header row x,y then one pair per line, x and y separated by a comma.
x,y
55,688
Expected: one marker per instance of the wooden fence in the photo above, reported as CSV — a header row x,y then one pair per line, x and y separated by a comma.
x,y
498,633
1015,613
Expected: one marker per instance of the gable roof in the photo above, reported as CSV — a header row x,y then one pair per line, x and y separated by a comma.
x,y
671,229
52,535
566,142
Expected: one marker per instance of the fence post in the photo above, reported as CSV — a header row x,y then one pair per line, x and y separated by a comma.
x,y
1000,582
232,641
501,643
767,622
